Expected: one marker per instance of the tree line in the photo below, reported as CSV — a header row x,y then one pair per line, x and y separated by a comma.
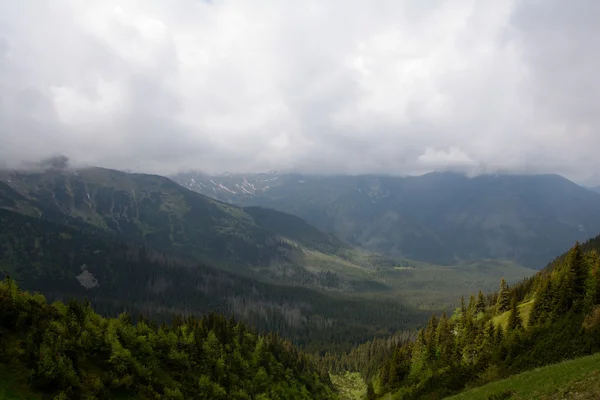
x,y
545,319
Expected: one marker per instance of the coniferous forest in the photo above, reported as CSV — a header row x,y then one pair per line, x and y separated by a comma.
x,y
67,351
548,318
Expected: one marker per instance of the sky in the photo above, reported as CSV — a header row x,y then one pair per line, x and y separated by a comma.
x,y
328,86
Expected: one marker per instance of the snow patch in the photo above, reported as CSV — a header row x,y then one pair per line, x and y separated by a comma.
x,y
226,188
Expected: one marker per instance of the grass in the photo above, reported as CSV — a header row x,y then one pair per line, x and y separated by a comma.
x,y
425,286
524,311
350,385
575,379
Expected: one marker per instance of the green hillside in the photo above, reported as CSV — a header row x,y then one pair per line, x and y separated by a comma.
x,y
551,317
575,379
440,218
62,261
67,351
145,244
158,212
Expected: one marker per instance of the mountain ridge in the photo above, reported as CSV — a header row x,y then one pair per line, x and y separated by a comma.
x,y
442,218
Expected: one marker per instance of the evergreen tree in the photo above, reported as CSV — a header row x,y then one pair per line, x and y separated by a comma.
x,y
430,337
445,341
503,302
499,334
572,281
480,306
514,318
472,303
371,392
542,304
592,295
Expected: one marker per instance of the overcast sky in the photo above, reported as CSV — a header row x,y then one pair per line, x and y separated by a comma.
x,y
400,87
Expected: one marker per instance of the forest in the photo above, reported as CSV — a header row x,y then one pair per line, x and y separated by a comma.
x,y
545,319
68,351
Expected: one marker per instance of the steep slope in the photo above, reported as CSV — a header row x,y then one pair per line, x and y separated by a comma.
x,y
438,217
158,212
575,379
273,246
62,262
552,317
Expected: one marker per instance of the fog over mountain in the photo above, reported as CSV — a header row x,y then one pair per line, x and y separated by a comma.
x,y
398,87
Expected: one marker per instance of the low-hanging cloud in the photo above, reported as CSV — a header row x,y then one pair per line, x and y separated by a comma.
x,y
390,86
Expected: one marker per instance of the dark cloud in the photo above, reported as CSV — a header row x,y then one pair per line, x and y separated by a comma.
x,y
322,86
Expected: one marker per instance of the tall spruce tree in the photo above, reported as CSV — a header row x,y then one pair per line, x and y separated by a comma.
x,y
542,305
480,306
472,304
503,302
592,295
571,289
514,318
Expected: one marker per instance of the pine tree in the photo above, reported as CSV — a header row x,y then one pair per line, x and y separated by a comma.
x,y
430,337
580,272
445,341
572,278
514,318
471,307
491,332
370,391
542,304
499,334
592,295
480,306
503,302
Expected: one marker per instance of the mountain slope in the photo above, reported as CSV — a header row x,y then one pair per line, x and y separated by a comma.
x,y
546,319
158,212
63,262
438,217
270,245
576,379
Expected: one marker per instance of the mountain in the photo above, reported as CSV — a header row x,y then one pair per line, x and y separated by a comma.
x,y
146,244
595,189
65,262
440,218
254,241
156,211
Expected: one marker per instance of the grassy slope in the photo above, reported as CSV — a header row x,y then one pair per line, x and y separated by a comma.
x,y
575,379
423,285
524,311
350,385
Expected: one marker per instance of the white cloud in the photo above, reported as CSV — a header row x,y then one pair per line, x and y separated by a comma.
x,y
453,158
320,86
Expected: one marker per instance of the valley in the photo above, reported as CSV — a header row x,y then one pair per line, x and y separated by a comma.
x,y
266,267
143,248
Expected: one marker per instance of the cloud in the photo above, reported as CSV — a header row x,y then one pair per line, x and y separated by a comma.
x,y
388,86
453,158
